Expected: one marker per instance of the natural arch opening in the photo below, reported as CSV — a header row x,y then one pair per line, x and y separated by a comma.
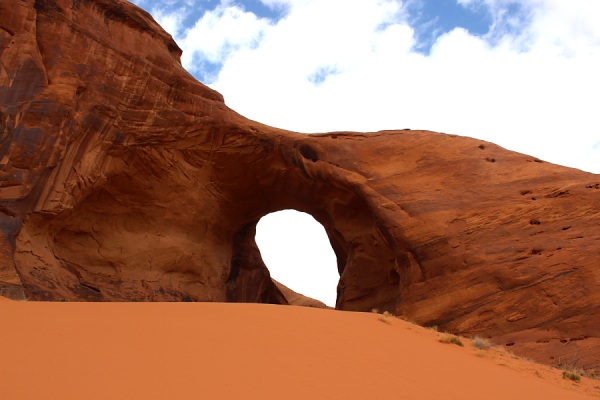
x,y
296,249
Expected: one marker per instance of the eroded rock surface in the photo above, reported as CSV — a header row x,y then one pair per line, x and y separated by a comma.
x,y
123,178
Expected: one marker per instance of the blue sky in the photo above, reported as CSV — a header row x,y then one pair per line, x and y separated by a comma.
x,y
519,73
430,19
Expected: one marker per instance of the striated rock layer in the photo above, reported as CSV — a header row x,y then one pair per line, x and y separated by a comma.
x,y
123,178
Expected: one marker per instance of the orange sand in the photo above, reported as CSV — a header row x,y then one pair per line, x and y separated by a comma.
x,y
229,351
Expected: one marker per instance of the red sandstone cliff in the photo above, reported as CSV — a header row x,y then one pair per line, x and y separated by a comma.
x,y
123,178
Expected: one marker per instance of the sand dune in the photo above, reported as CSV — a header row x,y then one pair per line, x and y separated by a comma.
x,y
225,351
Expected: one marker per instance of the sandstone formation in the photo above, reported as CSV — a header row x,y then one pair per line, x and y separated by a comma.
x,y
297,299
123,178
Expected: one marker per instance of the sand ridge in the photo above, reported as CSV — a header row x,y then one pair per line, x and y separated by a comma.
x,y
251,351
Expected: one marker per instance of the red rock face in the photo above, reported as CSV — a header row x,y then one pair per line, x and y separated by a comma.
x,y
123,178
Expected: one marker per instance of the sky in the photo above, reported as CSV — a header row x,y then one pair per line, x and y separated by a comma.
x,y
519,73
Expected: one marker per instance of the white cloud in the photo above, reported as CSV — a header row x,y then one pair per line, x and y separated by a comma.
x,y
274,78
171,21
221,32
533,89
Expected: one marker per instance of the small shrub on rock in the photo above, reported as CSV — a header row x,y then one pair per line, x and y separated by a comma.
x,y
571,375
452,339
481,343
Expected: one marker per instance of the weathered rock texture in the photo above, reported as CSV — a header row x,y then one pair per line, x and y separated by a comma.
x,y
123,178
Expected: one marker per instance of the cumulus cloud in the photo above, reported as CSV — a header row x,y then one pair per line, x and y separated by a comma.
x,y
221,32
529,84
171,21
336,37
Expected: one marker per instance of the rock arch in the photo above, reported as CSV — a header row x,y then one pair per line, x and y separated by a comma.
x,y
297,251
366,257
161,221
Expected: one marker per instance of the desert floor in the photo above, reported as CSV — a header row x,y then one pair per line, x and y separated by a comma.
x,y
250,351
